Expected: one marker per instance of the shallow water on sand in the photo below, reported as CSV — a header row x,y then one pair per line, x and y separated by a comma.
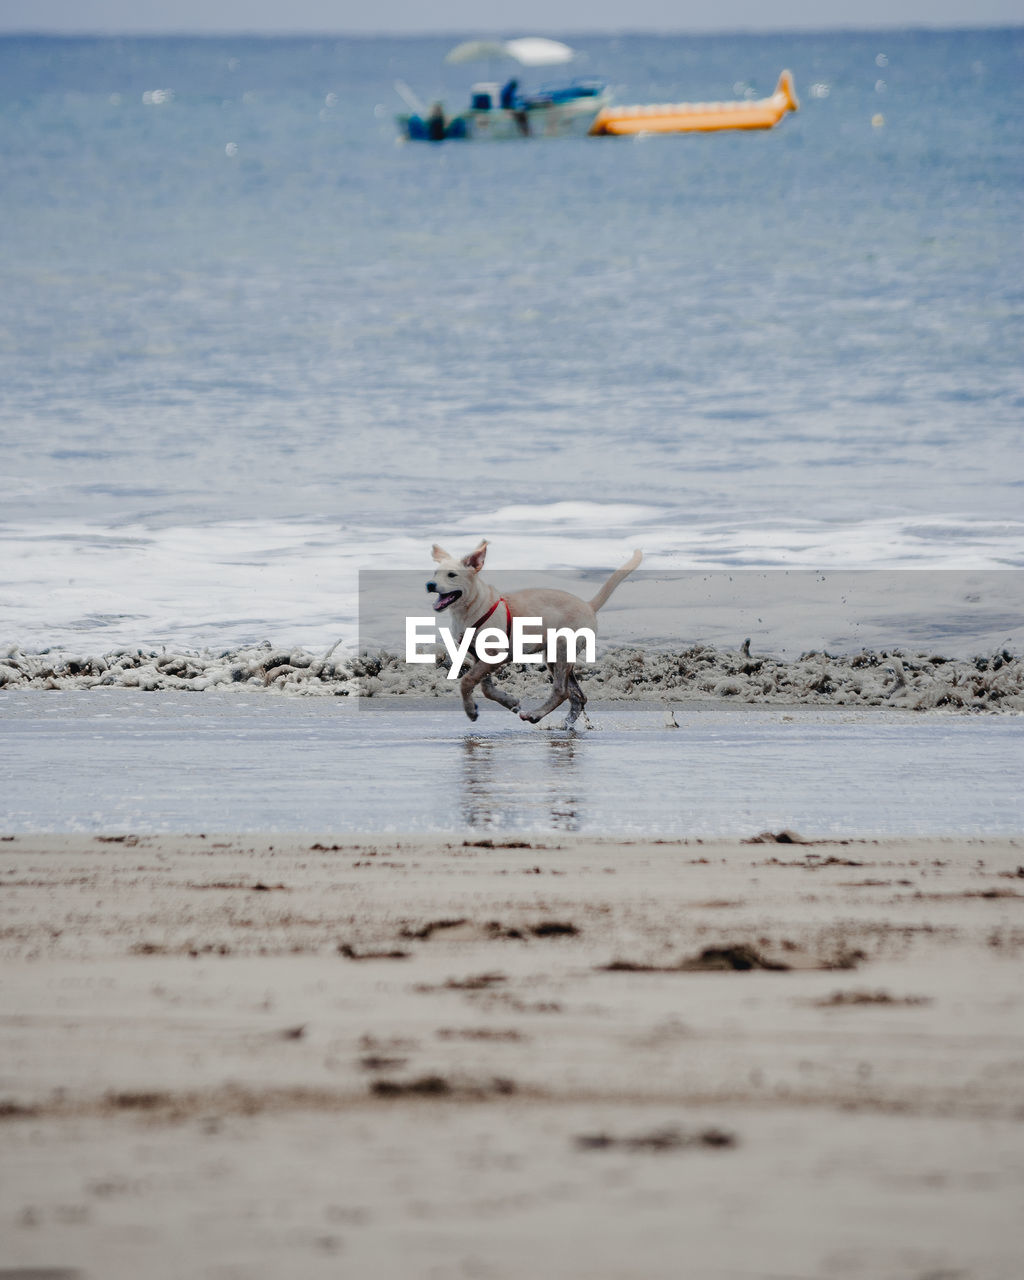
x,y
120,761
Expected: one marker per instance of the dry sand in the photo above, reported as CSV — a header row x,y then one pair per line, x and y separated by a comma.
x,y
241,1057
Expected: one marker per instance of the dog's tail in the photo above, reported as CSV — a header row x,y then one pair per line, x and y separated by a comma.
x,y
602,596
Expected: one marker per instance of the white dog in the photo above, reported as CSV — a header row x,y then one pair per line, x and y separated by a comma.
x,y
459,587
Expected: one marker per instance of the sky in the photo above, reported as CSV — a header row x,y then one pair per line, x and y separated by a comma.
x,y
470,17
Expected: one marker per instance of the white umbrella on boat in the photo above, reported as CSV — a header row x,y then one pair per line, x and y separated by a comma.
x,y
530,51
476,51
535,51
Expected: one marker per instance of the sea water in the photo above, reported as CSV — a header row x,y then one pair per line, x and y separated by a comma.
x,y
249,344
125,761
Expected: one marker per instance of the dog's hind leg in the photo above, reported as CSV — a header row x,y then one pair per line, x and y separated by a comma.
x,y
490,690
577,700
560,674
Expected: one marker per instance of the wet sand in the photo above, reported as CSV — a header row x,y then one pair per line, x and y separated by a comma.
x,y
557,1056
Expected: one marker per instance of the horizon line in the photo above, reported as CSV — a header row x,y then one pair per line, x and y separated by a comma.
x,y
456,34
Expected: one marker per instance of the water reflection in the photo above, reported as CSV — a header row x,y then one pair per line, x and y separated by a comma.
x,y
511,783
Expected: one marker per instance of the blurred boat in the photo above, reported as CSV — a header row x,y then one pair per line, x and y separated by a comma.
x,y
699,117
500,111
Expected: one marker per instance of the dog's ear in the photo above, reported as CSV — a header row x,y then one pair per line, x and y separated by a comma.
x,y
440,554
475,559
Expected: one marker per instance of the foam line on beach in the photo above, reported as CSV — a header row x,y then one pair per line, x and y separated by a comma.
x,y
915,681
82,585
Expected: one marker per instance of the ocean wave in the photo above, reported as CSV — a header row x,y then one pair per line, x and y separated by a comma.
x,y
227,584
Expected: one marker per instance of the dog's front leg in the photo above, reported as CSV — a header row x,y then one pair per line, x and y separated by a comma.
x,y
478,672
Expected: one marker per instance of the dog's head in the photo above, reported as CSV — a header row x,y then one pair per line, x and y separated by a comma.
x,y
453,578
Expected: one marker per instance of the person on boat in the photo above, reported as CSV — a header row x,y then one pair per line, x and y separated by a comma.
x,y
436,123
510,101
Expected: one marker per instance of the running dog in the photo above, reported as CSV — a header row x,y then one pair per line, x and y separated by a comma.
x,y
459,587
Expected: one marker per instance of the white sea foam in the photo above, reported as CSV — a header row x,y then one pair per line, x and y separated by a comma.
x,y
918,682
79,587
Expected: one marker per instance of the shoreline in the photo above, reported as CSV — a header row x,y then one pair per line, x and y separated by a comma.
x,y
915,680
268,1054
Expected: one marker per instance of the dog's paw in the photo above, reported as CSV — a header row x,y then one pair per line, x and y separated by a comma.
x,y
530,719
473,712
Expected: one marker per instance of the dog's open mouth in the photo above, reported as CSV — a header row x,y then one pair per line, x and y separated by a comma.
x,y
445,599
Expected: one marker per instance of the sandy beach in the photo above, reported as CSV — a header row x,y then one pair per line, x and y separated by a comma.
x,y
230,1056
